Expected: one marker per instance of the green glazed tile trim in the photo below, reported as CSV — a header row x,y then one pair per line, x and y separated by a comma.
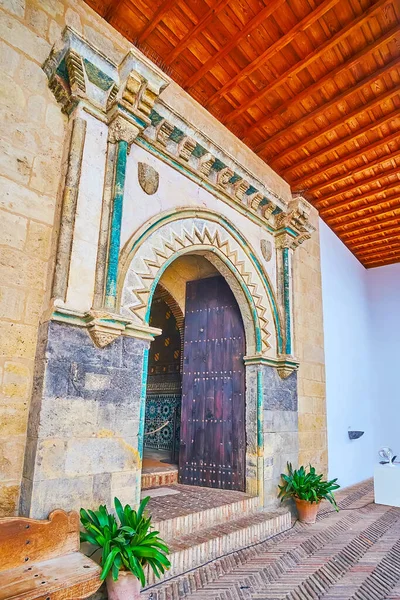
x,y
116,220
286,299
103,81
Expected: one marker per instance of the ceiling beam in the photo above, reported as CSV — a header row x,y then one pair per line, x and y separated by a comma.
x,y
356,186
361,110
276,47
371,78
193,33
357,228
369,194
387,118
155,19
259,18
375,205
379,161
343,159
304,63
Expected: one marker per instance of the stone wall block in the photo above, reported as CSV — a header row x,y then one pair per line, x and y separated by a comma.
x,y
279,394
280,421
99,455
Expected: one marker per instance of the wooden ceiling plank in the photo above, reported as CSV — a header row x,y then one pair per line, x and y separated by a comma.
x,y
383,246
343,121
379,232
394,233
357,228
376,163
193,33
343,141
155,19
259,18
375,205
112,9
383,262
370,194
343,159
304,63
371,78
359,220
276,47
356,186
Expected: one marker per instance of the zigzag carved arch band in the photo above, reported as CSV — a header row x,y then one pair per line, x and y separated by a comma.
x,y
150,251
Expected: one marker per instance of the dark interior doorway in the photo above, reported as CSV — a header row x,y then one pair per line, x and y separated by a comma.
x,y
164,389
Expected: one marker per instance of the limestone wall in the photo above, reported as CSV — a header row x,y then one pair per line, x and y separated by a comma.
x,y
32,142
309,340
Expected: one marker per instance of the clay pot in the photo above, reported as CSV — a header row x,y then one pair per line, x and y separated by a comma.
x,y
306,510
127,587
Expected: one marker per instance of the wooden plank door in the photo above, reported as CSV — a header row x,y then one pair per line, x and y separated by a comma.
x,y
213,440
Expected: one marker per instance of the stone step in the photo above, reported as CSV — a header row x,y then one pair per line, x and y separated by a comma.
x,y
200,520
150,480
194,549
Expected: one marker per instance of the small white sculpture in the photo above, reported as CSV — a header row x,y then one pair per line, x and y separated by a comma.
x,y
387,454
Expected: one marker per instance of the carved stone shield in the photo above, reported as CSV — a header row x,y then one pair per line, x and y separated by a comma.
x,y
148,178
266,249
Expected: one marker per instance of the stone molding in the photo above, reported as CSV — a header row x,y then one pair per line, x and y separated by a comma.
x,y
104,327
285,365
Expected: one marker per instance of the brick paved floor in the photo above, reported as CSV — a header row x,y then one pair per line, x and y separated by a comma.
x,y
191,499
350,555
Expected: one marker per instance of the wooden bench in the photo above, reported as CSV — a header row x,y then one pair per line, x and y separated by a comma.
x,y
40,560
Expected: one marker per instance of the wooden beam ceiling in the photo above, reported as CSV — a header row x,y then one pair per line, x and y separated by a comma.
x,y
311,86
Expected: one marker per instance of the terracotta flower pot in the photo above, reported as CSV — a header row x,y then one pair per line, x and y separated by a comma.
x,y
306,510
127,587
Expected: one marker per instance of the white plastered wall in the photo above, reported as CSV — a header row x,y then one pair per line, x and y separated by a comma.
x,y
362,332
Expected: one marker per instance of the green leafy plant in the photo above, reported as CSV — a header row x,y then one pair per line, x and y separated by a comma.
x,y
128,545
307,486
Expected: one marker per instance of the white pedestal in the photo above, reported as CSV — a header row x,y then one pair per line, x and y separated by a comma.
x,y
387,485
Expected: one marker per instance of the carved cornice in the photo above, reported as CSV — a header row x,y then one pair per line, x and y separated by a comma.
x,y
79,72
126,97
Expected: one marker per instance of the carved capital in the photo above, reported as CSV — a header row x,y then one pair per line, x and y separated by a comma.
x,y
122,128
284,240
296,219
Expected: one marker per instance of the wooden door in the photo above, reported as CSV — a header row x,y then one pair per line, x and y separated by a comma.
x,y
213,440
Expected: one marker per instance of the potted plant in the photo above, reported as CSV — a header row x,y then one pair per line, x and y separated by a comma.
x,y
128,546
307,489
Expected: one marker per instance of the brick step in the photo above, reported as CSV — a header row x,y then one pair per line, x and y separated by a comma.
x,y
195,549
157,479
199,520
